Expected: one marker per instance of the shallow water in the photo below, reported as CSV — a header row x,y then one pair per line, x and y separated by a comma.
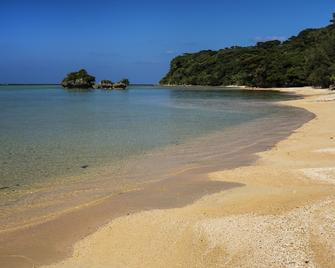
x,y
47,134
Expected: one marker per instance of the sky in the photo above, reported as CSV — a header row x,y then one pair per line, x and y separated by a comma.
x,y
43,40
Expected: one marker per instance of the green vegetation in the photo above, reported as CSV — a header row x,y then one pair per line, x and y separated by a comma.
x,y
121,84
306,59
83,80
125,81
106,82
80,79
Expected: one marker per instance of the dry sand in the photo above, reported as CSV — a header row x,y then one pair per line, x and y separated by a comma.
x,y
283,217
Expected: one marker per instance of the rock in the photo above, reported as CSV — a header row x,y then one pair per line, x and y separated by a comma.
x,y
105,84
124,83
84,166
80,79
4,188
119,85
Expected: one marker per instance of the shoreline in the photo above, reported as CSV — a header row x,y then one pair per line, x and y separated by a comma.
x,y
283,213
194,187
171,160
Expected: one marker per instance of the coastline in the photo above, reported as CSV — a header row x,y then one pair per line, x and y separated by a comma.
x,y
183,195
281,217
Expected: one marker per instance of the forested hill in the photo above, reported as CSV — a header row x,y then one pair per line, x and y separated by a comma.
x,y
306,59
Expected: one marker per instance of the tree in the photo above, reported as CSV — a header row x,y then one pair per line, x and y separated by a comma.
x,y
305,59
125,81
80,79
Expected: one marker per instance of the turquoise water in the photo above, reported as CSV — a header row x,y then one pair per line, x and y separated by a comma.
x,y
47,132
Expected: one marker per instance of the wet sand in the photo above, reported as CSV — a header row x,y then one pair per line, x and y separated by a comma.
x,y
167,232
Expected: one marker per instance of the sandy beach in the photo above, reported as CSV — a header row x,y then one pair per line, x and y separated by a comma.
x,y
269,204
284,216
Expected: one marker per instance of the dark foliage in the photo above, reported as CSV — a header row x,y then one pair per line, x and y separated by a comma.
x,y
80,79
306,59
125,81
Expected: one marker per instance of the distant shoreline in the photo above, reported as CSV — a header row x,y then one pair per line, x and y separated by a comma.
x,y
42,84
177,86
29,84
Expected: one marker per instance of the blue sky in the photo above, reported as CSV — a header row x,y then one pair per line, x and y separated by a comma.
x,y
41,41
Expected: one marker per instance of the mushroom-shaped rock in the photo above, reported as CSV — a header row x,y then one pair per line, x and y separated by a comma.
x,y
80,79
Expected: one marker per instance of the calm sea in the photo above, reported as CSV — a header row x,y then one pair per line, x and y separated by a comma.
x,y
48,133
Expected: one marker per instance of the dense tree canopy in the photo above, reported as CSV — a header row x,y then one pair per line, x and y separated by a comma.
x,y
80,79
306,59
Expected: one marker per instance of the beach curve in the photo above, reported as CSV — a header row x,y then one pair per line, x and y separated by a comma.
x,y
280,218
